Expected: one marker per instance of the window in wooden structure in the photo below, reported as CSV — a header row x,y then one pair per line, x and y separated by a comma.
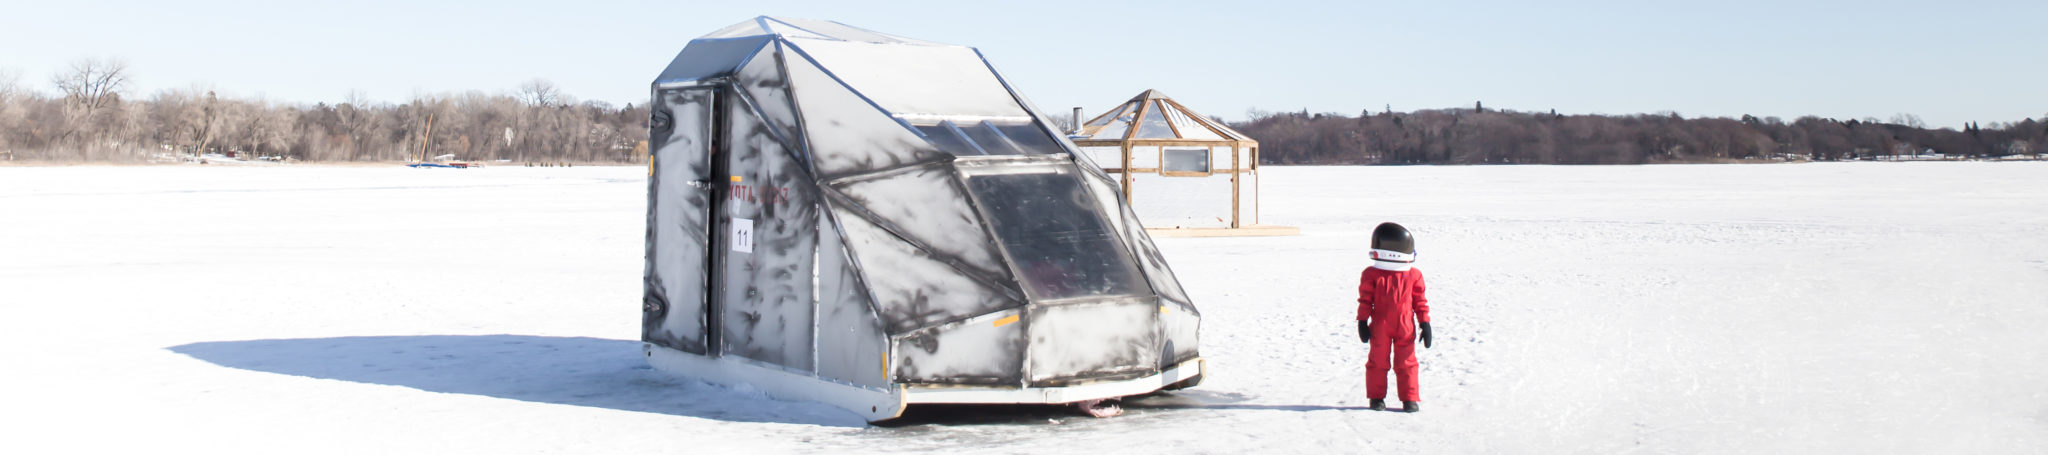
x,y
1184,161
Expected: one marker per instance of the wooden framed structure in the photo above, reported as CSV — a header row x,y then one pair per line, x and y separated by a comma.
x,y
1178,169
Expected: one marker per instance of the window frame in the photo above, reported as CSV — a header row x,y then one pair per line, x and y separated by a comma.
x,y
1208,161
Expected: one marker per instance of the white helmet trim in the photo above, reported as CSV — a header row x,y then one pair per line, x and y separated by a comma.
x,y
1392,256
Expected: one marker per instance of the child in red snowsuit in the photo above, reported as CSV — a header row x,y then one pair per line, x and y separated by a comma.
x,y
1391,307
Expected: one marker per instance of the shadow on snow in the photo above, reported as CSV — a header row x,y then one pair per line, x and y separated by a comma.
x,y
1149,406
573,371
610,374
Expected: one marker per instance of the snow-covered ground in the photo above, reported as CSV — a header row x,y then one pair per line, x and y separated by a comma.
x,y
1850,307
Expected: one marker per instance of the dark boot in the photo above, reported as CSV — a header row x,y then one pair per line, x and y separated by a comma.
x,y
1411,406
1379,405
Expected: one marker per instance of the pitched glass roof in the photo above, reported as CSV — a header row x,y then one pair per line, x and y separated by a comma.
x,y
1153,115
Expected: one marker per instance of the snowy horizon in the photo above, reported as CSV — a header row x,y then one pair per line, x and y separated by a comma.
x,y
1818,307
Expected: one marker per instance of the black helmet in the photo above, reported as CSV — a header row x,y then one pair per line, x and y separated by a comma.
x,y
1392,243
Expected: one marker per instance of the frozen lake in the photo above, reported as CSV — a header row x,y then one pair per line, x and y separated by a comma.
x,y
1845,307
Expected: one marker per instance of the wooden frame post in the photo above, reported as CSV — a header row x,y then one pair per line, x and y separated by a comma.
x,y
1126,172
1236,175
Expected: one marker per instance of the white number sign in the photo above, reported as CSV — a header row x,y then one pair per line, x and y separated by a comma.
x,y
743,235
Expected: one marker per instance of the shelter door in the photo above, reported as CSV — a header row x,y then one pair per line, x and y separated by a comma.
x,y
733,215
681,200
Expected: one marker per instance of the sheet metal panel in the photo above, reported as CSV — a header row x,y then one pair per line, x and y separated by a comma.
x,y
850,339
710,58
1094,340
983,351
927,204
911,287
950,80
845,133
1180,326
763,81
678,221
772,213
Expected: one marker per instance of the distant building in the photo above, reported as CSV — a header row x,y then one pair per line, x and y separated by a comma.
x,y
1178,168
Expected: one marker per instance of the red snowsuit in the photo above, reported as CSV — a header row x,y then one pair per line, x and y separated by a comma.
x,y
1393,303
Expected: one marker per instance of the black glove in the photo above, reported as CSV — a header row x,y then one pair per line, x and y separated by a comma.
x,y
1425,335
1364,334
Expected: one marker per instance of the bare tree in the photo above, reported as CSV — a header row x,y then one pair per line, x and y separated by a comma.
x,y
10,88
419,116
10,84
92,84
540,93
268,129
357,120
542,123
168,111
209,115
1908,120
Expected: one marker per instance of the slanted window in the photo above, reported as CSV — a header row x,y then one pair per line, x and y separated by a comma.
x,y
1184,162
988,138
1057,237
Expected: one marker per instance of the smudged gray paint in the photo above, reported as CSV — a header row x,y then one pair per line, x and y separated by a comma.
x,y
710,58
850,339
764,84
895,245
968,352
929,206
1180,326
912,288
1092,340
678,223
847,134
767,308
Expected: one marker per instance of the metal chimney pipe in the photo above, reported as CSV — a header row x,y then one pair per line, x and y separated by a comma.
x,y
1075,126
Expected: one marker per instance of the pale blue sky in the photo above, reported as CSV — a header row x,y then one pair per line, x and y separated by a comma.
x,y
1949,62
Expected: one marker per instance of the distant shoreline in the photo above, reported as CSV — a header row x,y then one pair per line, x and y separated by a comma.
x,y
375,164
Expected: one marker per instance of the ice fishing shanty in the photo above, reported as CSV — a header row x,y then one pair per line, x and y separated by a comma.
x,y
873,221
1184,172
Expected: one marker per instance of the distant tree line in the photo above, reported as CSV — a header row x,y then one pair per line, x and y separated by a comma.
x,y
1480,135
95,116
